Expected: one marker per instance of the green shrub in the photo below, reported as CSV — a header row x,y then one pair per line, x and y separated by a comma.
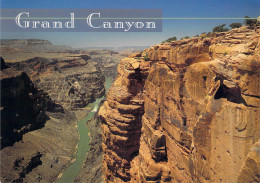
x,y
220,28
186,37
251,23
146,58
203,35
170,39
235,25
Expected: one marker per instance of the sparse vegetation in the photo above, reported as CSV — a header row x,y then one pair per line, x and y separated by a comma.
x,y
170,39
186,37
251,23
203,35
235,25
146,58
220,28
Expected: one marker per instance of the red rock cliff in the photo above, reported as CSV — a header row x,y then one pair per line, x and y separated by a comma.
x,y
190,114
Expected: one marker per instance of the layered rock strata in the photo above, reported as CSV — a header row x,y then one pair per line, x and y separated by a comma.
x,y
121,119
39,150
32,45
38,137
72,83
190,114
107,61
22,105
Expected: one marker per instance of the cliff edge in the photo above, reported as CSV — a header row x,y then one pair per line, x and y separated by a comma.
x,y
186,111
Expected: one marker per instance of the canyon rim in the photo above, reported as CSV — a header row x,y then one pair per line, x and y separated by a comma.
x,y
188,113
130,91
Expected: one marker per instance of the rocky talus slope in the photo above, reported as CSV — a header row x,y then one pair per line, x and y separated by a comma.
x,y
190,114
22,105
38,136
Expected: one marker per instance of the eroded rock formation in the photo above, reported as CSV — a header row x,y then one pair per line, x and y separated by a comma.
x,y
72,83
38,136
190,114
121,116
22,105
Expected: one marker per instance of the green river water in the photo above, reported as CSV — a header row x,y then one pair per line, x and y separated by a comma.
x,y
73,170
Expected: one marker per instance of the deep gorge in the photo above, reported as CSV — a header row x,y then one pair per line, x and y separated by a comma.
x,y
54,94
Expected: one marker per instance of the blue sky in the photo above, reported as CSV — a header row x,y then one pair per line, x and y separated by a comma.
x,y
170,8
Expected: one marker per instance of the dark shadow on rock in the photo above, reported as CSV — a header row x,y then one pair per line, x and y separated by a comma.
x,y
231,94
23,107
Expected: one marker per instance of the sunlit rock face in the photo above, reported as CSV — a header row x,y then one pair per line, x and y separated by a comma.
x,y
189,114
121,115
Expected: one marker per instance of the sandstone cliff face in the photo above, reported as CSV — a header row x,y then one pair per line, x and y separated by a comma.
x,y
121,116
190,114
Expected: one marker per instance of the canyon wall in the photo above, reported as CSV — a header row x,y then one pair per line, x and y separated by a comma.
x,y
188,114
42,100
38,136
22,105
72,83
